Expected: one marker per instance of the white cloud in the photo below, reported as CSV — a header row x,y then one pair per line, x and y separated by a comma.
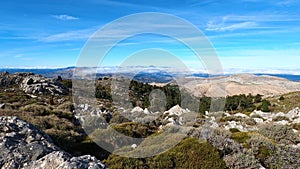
x,y
65,17
260,18
19,55
286,2
223,27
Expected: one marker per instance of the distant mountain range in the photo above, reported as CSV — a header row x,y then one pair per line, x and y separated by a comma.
x,y
140,73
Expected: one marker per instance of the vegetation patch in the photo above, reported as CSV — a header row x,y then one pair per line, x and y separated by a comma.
x,y
189,153
240,137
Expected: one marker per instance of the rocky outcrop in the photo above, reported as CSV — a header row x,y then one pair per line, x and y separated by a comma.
x,y
40,85
7,80
22,145
32,84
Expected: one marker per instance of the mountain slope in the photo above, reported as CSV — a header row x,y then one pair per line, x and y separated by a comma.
x,y
240,84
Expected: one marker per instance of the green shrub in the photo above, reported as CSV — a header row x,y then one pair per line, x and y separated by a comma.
x,y
240,137
265,106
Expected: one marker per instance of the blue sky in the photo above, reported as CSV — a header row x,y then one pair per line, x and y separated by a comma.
x,y
247,34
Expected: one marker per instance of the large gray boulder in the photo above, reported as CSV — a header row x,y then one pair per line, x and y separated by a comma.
x,y
23,145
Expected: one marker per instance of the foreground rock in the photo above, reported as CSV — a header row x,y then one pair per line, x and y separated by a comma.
x,y
22,145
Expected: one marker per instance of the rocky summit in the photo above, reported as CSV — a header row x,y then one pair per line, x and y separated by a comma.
x,y
23,145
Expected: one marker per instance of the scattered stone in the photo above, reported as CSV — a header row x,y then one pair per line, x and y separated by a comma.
x,y
241,115
133,146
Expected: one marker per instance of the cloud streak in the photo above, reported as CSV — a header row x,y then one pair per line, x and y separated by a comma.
x,y
83,34
230,27
65,17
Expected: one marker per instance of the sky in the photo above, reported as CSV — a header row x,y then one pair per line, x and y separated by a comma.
x,y
246,34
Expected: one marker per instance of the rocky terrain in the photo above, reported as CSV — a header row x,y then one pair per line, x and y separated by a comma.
x,y
23,145
41,126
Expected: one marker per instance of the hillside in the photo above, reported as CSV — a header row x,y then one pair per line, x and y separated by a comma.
x,y
240,84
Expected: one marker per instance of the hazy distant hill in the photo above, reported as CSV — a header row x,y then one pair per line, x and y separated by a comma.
x,y
241,84
51,73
